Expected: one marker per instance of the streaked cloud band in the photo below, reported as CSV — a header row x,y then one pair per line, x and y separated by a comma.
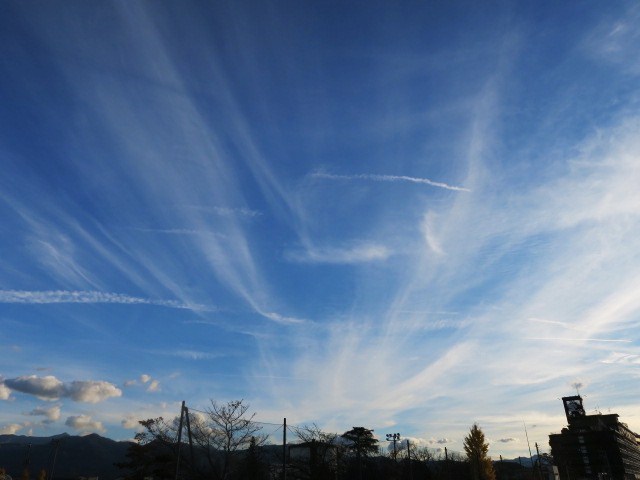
x,y
83,296
389,178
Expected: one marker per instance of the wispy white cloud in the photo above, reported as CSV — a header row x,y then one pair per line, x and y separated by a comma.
x,y
282,319
556,241
63,296
388,178
349,255
179,231
615,41
229,211
193,354
621,357
567,339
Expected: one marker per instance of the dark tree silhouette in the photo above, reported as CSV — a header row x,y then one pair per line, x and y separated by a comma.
x,y
362,443
477,448
223,437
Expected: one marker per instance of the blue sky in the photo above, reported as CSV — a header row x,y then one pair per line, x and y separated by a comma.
x,y
410,216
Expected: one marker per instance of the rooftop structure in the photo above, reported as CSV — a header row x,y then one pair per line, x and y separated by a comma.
x,y
594,446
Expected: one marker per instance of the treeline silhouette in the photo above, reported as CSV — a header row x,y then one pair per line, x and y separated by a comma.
x,y
225,442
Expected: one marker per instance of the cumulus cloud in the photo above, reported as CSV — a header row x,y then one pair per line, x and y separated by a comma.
x,y
50,388
45,388
129,383
10,429
52,413
4,392
154,386
144,378
92,392
130,422
84,424
440,441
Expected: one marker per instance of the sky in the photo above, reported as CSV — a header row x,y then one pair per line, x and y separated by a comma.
x,y
409,216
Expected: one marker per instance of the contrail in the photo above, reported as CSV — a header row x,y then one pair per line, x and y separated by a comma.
x,y
64,296
389,178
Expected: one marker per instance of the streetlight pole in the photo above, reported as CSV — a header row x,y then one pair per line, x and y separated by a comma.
x,y
393,437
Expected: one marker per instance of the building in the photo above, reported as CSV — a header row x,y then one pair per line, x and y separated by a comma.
x,y
594,447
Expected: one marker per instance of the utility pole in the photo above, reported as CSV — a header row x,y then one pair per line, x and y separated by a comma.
x,y
27,461
179,439
284,450
186,414
538,461
446,463
409,459
52,464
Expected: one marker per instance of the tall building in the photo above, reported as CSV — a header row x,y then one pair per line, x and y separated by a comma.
x,y
594,447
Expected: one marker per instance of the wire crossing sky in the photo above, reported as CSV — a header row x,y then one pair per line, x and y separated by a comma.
x,y
407,216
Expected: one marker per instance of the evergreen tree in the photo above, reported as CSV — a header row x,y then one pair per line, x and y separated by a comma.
x,y
476,448
362,443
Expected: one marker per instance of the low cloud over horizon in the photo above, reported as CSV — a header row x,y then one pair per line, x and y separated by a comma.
x,y
51,389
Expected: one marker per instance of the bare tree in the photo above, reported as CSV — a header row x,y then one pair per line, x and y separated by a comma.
x,y
319,453
222,435
222,432
312,432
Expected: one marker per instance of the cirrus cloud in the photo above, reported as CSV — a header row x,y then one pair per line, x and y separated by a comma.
x,y
347,256
80,296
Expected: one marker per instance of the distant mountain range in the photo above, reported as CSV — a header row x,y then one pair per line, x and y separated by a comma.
x,y
87,456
